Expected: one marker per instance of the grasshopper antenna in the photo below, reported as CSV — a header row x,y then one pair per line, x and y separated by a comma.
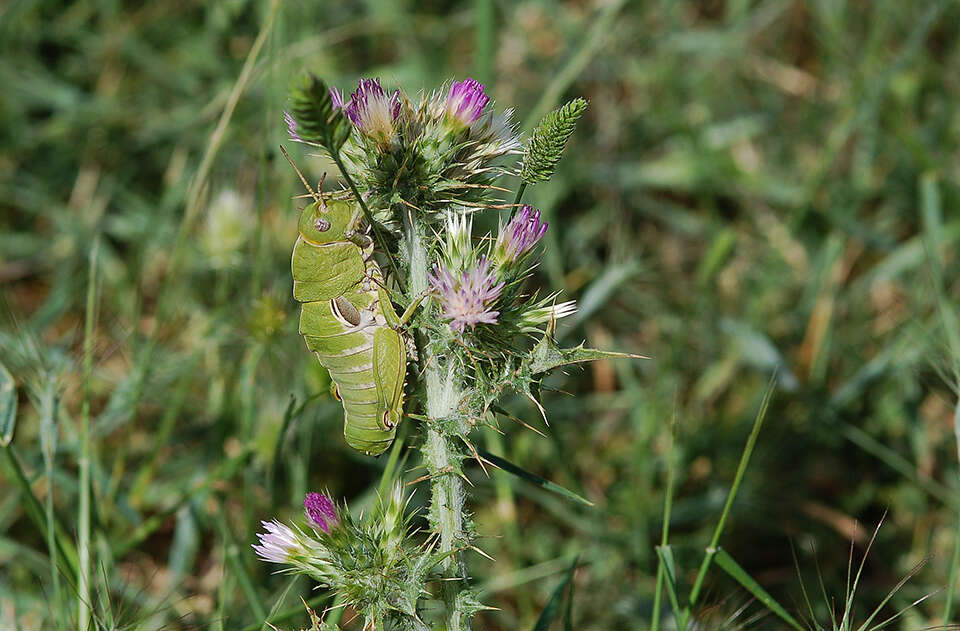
x,y
313,193
323,202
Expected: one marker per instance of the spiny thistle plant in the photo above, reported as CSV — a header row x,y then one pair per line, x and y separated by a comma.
x,y
414,316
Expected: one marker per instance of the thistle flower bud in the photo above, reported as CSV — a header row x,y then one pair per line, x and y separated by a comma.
x,y
320,511
519,236
467,298
466,100
277,544
372,111
457,251
543,312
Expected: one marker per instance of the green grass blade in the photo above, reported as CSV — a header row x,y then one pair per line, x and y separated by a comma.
x,y
930,206
484,34
552,608
898,463
896,588
83,512
823,593
291,412
508,466
239,569
48,440
812,624
522,576
35,510
738,478
222,473
669,569
602,290
8,406
279,603
665,531
162,435
731,567
954,571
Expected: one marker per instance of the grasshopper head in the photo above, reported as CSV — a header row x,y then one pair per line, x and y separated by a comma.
x,y
328,221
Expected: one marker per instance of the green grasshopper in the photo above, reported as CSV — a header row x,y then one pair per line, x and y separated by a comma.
x,y
348,321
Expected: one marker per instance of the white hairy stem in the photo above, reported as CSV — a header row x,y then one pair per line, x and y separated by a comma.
x,y
443,390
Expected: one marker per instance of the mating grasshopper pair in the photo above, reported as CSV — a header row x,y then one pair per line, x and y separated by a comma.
x,y
348,321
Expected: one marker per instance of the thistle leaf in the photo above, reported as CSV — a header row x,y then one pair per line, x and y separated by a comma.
x,y
317,120
552,609
546,355
543,150
533,478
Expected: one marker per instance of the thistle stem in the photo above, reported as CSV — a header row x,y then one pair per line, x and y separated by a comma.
x,y
377,234
441,453
446,511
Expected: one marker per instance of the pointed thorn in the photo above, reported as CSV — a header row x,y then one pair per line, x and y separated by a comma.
x,y
530,427
482,553
420,479
492,464
543,412
476,456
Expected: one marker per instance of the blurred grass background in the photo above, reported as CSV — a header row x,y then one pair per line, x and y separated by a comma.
x,y
756,186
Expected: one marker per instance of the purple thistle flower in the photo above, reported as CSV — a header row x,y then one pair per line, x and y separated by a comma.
x,y
520,235
277,543
320,511
292,127
466,100
371,110
467,298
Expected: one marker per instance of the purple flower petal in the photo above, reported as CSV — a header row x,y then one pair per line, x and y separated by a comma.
x,y
291,127
371,110
468,297
337,98
276,543
520,235
466,100
320,511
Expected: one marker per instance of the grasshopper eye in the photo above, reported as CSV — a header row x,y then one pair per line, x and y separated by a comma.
x,y
321,224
